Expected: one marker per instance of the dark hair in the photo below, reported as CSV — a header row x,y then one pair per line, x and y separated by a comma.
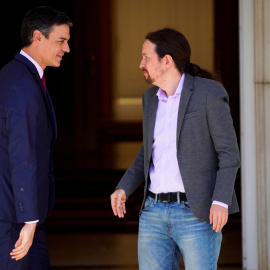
x,y
171,42
42,19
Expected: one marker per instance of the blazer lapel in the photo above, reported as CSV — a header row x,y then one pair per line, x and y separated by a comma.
x,y
185,96
46,95
151,121
49,104
53,117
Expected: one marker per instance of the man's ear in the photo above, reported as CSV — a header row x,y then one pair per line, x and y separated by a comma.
x,y
168,60
37,37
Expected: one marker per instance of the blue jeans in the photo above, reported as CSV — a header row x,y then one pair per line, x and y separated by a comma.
x,y
168,229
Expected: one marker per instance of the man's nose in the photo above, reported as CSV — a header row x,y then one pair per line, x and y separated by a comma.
x,y
142,65
66,48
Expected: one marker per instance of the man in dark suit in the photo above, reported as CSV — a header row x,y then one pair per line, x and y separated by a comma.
x,y
189,160
28,134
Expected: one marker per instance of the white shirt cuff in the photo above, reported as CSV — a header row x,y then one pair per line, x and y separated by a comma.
x,y
221,204
30,222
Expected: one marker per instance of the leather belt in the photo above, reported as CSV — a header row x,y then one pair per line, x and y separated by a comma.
x,y
168,197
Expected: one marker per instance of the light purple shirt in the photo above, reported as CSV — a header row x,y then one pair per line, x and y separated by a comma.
x,y
164,170
165,174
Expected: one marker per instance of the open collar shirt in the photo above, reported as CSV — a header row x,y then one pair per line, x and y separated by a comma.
x,y
165,174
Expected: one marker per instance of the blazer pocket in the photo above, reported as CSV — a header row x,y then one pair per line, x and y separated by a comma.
x,y
192,114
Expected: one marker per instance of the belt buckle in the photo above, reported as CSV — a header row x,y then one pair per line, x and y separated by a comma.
x,y
168,197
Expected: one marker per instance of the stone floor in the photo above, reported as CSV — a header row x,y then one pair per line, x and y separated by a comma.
x,y
118,251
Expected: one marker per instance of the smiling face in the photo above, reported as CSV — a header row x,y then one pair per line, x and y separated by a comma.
x,y
152,66
53,48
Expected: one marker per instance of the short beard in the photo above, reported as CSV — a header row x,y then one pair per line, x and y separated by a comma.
x,y
149,80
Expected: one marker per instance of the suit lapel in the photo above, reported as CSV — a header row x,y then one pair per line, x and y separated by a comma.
x,y
49,101
47,98
49,104
151,120
185,96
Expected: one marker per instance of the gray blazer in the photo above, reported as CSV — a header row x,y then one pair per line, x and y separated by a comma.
x,y
207,150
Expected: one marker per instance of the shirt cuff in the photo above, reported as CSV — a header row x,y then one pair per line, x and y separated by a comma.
x,y
30,222
221,204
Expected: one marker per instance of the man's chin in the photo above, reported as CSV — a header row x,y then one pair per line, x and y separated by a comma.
x,y
148,80
55,64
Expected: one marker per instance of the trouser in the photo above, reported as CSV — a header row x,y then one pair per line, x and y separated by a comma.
x,y
37,257
168,229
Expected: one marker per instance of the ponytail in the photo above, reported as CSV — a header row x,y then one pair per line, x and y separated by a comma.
x,y
195,70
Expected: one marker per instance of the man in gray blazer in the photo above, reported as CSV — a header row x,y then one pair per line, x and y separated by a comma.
x,y
189,160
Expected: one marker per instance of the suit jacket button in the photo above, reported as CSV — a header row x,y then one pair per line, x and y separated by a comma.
x,y
49,175
21,207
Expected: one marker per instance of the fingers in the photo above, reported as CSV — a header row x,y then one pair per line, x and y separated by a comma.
x,y
113,204
18,243
24,242
19,252
218,217
120,208
216,222
211,216
118,199
124,208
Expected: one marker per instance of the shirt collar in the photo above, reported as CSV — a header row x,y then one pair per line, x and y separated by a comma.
x,y
162,94
38,67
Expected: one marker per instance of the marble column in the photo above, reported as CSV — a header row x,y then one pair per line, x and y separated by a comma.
x,y
248,136
262,104
254,22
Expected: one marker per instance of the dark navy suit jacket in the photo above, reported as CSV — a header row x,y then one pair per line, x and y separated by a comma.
x,y
27,136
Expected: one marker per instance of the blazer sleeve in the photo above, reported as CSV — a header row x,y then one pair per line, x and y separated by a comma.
x,y
225,142
134,176
21,110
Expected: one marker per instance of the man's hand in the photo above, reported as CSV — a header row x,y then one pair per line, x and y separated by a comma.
x,y
218,217
118,199
25,241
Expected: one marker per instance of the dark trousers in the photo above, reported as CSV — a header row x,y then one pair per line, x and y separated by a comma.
x,y
37,257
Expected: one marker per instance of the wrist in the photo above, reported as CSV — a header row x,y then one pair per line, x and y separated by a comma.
x,y
31,225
